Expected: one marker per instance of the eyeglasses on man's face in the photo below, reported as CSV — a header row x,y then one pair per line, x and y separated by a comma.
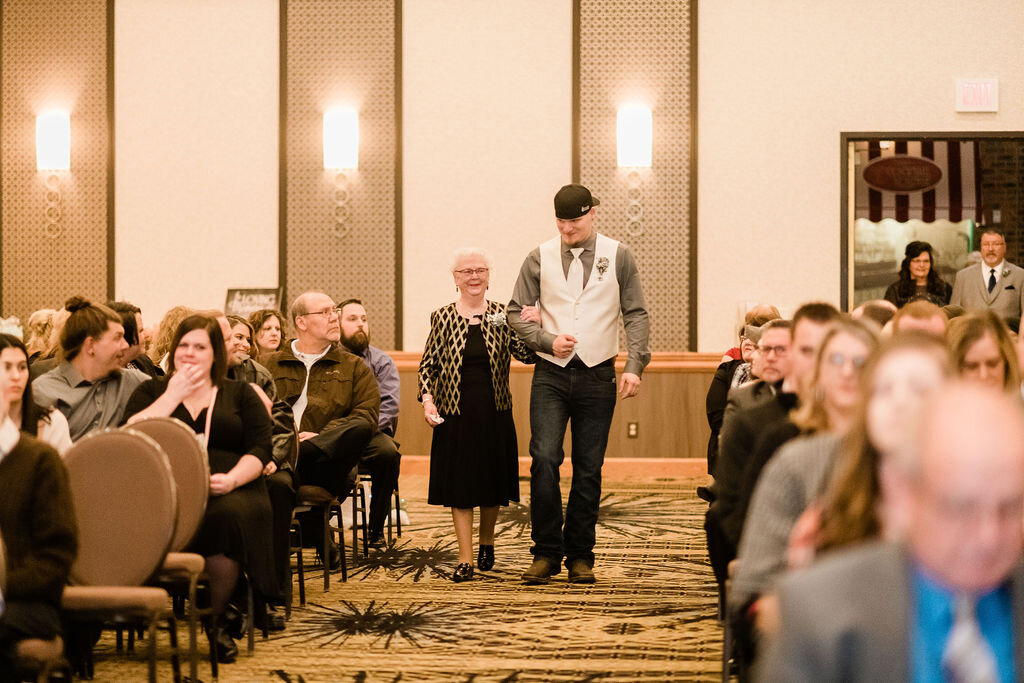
x,y
469,272
327,313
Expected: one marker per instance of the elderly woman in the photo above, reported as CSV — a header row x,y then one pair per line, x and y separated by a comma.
x,y
268,332
983,350
463,380
918,280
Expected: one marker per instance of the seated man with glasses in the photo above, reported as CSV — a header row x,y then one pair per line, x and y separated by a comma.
x,y
334,398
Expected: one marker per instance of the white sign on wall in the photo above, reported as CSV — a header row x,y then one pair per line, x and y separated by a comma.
x,y
977,94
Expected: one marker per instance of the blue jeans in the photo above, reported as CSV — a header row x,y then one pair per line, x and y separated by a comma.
x,y
586,397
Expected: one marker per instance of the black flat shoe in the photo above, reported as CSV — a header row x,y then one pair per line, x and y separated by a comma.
x,y
464,572
485,558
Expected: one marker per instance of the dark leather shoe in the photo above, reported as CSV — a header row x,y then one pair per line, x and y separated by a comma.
x,y
705,493
232,621
274,621
580,571
485,558
227,651
334,555
541,571
463,572
376,540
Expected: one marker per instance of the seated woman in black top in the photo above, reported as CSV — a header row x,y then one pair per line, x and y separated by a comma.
x,y
234,532
918,279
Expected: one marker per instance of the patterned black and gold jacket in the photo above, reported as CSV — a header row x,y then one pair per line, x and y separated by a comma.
x,y
440,371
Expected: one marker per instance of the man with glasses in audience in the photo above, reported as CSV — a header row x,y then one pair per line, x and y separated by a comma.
x,y
382,449
334,399
945,601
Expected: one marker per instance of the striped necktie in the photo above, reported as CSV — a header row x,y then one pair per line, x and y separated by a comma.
x,y
967,657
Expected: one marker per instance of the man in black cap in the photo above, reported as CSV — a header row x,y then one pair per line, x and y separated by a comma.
x,y
566,306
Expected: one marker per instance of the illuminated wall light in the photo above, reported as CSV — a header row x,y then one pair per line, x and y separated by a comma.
x,y
341,138
634,135
53,141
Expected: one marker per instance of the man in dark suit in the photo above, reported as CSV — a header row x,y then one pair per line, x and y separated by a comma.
x,y
947,601
994,283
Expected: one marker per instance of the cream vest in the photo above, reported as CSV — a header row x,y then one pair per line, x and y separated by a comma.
x,y
593,317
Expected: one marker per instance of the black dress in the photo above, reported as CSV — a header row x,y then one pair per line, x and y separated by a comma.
x,y
474,455
236,524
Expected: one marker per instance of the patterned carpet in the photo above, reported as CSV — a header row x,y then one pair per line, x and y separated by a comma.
x,y
650,616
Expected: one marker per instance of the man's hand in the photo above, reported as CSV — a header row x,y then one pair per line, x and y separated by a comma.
x,y
270,468
530,314
563,346
307,435
629,385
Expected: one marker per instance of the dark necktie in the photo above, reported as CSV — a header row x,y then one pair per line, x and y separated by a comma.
x,y
991,280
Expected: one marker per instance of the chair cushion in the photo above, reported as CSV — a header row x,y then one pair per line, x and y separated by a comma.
x,y
125,504
191,469
139,600
188,563
39,650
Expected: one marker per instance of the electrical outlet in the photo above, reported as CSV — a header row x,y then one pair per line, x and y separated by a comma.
x,y
632,430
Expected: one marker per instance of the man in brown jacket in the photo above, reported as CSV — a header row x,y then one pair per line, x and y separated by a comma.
x,y
333,394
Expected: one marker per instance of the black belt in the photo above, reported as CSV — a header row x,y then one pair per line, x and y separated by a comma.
x,y
578,364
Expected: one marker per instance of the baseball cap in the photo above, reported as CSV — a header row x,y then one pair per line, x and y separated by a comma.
x,y
573,201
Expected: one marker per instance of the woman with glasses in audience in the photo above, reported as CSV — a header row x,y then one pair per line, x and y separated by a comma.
x,y
236,428
983,350
795,475
268,332
918,279
47,425
463,385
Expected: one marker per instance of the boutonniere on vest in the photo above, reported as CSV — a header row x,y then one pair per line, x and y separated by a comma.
x,y
1006,271
602,266
497,319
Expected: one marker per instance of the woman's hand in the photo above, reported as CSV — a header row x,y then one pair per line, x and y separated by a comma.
x,y
221,484
269,468
185,380
430,413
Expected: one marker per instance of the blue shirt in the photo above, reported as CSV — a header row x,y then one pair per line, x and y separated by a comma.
x,y
933,613
386,372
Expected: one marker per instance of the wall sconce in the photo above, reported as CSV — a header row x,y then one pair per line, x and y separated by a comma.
x,y
53,141
341,151
53,153
341,138
634,135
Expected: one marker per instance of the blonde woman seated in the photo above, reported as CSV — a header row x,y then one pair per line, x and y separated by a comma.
x,y
463,385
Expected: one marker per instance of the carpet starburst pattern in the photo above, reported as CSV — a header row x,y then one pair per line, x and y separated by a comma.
x,y
650,616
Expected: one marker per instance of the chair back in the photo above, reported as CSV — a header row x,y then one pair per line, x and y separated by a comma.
x,y
3,567
126,506
191,469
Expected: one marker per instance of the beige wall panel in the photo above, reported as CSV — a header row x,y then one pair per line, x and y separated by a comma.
x,y
54,56
341,230
640,53
778,83
196,149
487,116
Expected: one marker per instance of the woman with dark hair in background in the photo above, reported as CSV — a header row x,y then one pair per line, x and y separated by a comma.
x,y
918,278
268,332
236,429
47,424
